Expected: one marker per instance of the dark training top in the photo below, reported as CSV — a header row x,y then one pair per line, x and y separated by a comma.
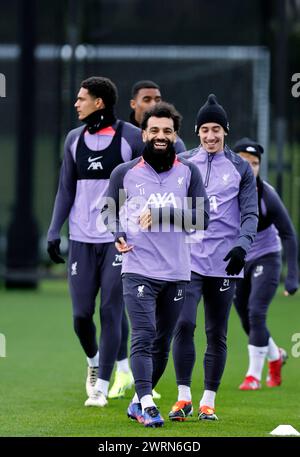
x,y
274,225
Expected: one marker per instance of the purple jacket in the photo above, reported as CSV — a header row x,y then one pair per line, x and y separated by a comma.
x,y
231,189
79,198
163,252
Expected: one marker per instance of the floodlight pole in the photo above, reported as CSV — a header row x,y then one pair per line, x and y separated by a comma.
x,y
280,88
73,34
22,236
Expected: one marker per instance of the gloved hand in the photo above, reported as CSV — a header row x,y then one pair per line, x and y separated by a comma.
x,y
237,261
291,286
54,251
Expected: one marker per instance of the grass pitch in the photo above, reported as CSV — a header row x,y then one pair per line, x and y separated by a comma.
x,y
42,377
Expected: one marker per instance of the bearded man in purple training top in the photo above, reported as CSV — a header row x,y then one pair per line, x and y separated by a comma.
x,y
231,188
152,217
91,153
145,95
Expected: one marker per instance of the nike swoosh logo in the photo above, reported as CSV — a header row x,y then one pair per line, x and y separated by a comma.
x,y
222,290
178,298
114,264
139,185
257,274
95,158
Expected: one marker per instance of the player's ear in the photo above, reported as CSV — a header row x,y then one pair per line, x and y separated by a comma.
x,y
132,104
144,136
99,103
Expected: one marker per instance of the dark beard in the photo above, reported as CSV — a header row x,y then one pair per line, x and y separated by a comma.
x,y
99,119
160,160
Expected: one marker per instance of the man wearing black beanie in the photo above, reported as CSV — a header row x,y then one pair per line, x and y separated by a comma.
x,y
230,186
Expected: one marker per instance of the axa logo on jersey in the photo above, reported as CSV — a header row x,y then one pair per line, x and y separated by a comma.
x,y
158,200
94,165
133,206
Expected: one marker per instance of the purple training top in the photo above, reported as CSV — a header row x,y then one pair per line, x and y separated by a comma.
x,y
163,251
231,189
84,179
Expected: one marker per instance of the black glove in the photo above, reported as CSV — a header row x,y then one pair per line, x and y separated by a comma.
x,y
292,291
237,261
54,251
291,286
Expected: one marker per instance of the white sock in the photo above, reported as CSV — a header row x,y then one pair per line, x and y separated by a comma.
x,y
273,351
184,393
102,386
123,365
257,357
147,401
135,399
208,399
94,361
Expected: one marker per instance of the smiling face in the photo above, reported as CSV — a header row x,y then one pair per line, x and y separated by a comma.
x,y
144,100
86,103
159,132
253,161
212,137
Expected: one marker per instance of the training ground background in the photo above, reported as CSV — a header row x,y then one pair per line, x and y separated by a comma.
x,y
42,377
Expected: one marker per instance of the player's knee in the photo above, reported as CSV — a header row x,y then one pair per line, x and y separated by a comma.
x,y
257,319
184,329
82,323
162,347
216,341
109,318
142,340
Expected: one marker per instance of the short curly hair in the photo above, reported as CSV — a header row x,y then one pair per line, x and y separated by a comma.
x,y
163,109
98,86
143,84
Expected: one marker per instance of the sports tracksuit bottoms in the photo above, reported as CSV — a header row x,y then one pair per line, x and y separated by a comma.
x,y
217,297
123,350
254,294
92,267
153,307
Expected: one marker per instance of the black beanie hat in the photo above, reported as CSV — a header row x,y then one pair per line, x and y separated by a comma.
x,y
211,111
250,146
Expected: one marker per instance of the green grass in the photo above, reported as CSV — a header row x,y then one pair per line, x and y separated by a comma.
x,y
43,375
